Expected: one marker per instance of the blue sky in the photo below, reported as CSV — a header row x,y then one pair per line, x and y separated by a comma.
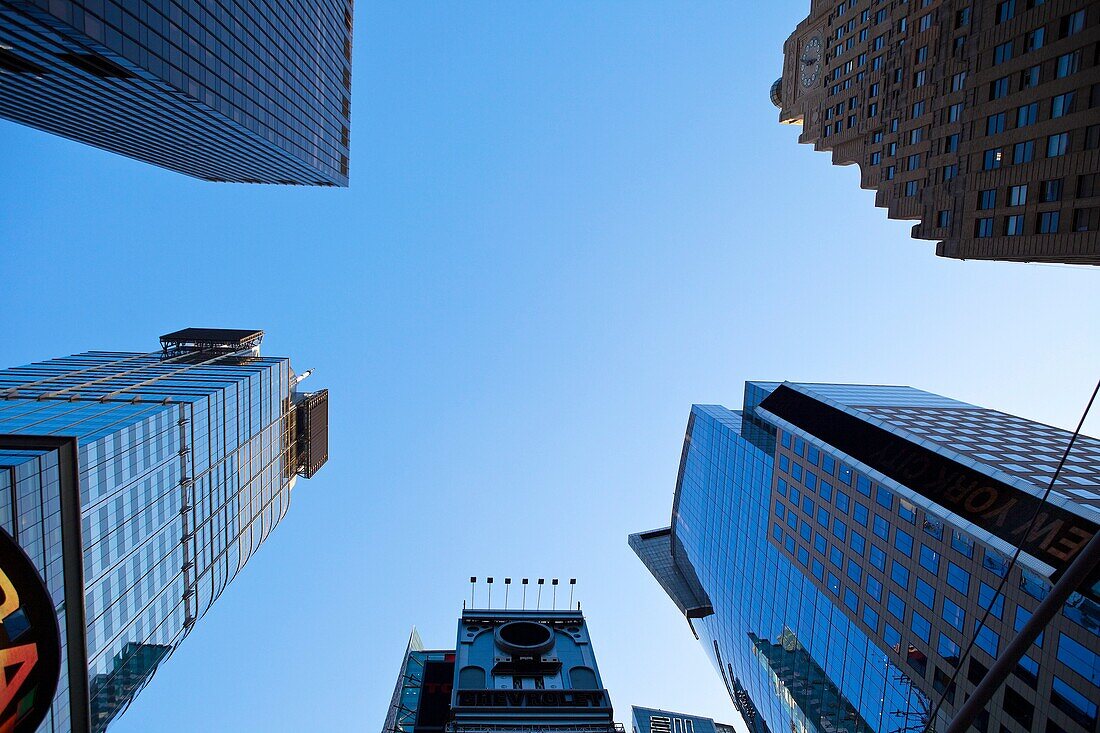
x,y
567,222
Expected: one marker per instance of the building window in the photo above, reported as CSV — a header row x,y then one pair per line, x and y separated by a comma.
x,y
1048,222
881,527
962,543
995,123
1017,195
874,588
1029,77
952,614
925,22
1050,190
921,627
930,560
1002,53
957,81
1006,10
1086,220
925,594
949,650
1027,114
1014,225
1086,186
1092,137
951,143
912,162
895,606
1057,144
988,640
991,159
1023,152
1034,40
918,109
962,18
1073,703
954,112
991,600
943,218
1072,23
1079,658
987,199
1061,105
983,227
958,578
950,171
1069,63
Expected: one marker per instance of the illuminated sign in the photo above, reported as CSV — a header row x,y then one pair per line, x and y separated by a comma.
x,y
1002,510
532,698
30,643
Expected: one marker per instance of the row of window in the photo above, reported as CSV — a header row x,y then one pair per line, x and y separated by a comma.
x,y
1059,105
1047,222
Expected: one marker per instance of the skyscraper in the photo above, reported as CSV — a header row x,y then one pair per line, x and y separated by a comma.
x,y
975,118
834,546
221,90
139,484
653,720
511,671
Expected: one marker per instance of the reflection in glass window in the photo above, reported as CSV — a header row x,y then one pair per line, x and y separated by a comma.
x,y
953,614
921,627
958,578
962,543
990,599
899,573
895,606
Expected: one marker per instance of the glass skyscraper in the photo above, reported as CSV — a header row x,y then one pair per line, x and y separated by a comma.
x,y
834,547
140,484
225,90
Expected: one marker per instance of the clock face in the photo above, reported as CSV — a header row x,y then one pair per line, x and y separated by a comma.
x,y
809,61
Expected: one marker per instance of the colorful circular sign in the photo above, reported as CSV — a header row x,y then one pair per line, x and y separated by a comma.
x,y
30,642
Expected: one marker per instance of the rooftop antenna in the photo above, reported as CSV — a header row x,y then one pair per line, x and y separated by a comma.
x,y
490,580
524,582
538,605
554,582
473,580
507,587
572,585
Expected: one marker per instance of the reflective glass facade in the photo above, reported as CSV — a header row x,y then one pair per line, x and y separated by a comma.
x,y
842,597
185,464
255,91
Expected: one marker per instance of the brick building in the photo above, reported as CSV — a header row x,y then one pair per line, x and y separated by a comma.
x,y
978,119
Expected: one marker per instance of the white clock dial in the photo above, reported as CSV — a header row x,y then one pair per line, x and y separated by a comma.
x,y
809,61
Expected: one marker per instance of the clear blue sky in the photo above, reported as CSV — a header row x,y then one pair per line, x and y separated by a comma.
x,y
567,222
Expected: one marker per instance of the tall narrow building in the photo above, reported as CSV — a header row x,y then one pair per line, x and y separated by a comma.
x,y
511,670
653,720
978,119
139,485
221,90
834,546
